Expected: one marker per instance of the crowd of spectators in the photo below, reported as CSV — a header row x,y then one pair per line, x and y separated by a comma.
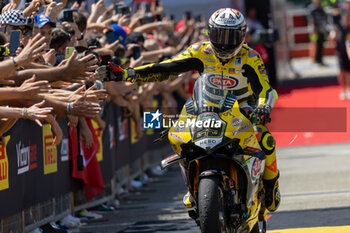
x,y
57,60
51,53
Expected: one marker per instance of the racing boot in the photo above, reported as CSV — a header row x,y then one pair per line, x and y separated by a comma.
x,y
272,194
271,174
188,200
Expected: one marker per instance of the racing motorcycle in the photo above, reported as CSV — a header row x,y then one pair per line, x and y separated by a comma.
x,y
221,161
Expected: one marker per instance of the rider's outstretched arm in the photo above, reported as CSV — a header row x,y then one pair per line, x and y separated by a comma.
x,y
158,72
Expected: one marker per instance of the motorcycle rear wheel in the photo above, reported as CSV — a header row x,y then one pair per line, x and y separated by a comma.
x,y
208,205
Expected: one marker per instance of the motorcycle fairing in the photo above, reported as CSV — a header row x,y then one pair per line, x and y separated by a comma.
x,y
208,137
170,161
237,127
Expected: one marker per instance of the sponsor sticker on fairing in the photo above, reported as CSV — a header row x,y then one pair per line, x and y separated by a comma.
x,y
207,51
226,81
177,137
196,46
243,128
209,59
209,67
236,122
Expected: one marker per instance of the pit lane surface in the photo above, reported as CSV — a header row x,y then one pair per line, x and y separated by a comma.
x,y
315,187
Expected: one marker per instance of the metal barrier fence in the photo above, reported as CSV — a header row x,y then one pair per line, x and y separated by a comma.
x,y
36,186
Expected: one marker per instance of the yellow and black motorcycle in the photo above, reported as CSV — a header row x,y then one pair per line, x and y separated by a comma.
x,y
221,160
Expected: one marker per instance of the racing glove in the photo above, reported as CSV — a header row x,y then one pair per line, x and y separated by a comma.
x,y
112,72
262,112
122,74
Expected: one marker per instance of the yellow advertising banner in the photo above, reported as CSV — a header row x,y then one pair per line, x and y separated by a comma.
x,y
49,151
4,166
98,133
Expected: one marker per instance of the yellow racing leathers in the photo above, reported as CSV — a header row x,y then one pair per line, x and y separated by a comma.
x,y
244,75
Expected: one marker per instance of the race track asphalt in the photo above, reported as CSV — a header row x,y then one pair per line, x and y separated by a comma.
x,y
315,187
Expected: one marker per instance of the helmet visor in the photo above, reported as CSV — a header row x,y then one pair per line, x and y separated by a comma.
x,y
226,38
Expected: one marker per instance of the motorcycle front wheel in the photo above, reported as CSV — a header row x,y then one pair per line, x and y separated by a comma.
x,y
208,205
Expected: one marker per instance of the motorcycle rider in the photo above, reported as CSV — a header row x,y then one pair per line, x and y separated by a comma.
x,y
227,55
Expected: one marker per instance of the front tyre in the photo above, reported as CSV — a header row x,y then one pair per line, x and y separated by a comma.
x,y
208,205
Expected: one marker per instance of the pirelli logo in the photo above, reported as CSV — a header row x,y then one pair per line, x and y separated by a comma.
x,y
98,133
4,166
49,151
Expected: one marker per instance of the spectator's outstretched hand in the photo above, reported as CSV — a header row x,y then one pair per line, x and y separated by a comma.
x,y
75,6
37,112
129,49
96,95
30,89
169,50
91,94
53,10
34,6
100,27
108,49
84,108
74,26
32,50
50,57
137,62
124,20
7,82
98,8
13,4
55,129
73,121
79,69
86,134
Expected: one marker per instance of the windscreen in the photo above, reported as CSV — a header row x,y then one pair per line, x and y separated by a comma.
x,y
210,92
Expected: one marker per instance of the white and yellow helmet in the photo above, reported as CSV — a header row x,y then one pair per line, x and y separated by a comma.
x,y
227,30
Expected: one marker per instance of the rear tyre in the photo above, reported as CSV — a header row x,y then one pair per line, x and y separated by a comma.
x,y
208,205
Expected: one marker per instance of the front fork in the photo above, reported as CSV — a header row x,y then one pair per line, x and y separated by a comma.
x,y
184,174
230,185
